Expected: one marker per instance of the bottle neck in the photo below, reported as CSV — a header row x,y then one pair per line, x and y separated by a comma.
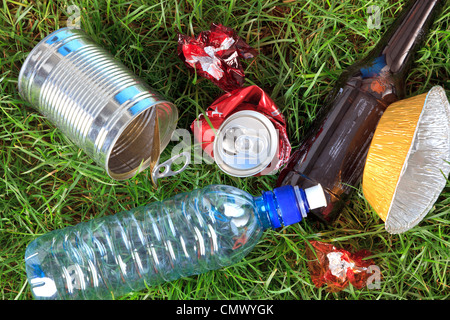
x,y
282,207
381,74
398,45
411,31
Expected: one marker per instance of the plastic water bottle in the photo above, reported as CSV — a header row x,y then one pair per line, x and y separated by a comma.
x,y
188,234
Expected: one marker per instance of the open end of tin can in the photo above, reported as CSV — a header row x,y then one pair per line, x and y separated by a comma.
x,y
136,148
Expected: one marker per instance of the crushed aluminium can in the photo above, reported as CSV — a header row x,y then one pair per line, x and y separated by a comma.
x,y
246,144
248,136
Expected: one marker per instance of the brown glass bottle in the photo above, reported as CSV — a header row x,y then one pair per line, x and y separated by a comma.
x,y
334,152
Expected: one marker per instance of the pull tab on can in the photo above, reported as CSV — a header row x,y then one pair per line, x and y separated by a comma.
x,y
167,165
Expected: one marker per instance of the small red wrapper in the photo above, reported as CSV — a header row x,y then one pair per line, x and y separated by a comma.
x,y
337,267
215,55
248,98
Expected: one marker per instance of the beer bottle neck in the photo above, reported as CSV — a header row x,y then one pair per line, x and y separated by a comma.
x,y
409,34
405,35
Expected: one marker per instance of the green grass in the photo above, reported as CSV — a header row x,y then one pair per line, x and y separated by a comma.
x,y
47,183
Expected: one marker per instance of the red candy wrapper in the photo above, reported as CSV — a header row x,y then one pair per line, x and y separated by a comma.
x,y
337,267
248,98
215,54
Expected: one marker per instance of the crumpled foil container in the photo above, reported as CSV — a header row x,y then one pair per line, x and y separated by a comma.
x,y
407,163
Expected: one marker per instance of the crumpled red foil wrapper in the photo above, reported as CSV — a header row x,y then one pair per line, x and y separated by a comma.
x,y
337,267
248,98
215,55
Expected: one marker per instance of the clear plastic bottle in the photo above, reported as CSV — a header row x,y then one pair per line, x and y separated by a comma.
x,y
188,234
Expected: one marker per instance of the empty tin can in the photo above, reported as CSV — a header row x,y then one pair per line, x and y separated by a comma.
x,y
117,119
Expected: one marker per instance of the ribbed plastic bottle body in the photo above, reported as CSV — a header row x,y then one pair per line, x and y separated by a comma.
x,y
107,257
334,152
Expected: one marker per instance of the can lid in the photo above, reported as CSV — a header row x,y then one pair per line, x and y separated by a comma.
x,y
245,144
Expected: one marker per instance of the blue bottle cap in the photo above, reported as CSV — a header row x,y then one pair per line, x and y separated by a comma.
x,y
269,199
288,204
292,209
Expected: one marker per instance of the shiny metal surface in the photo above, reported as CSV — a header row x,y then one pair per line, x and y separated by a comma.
x,y
101,106
245,144
167,166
